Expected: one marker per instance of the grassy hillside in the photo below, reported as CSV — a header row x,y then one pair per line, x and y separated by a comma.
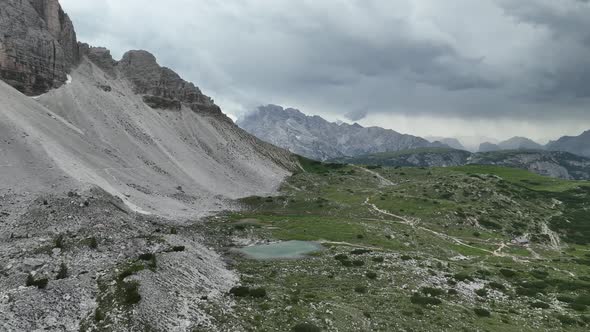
x,y
417,249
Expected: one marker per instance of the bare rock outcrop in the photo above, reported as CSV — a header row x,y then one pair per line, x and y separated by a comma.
x,y
38,45
161,86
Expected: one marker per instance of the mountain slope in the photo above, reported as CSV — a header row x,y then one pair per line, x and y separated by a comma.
x,y
316,138
131,127
114,140
112,164
579,145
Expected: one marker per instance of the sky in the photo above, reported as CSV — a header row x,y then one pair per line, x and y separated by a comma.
x,y
494,68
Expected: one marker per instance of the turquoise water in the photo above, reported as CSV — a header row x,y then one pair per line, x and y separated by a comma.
x,y
281,250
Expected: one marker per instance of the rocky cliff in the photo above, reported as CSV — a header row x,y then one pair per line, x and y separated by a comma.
x,y
38,45
314,137
160,86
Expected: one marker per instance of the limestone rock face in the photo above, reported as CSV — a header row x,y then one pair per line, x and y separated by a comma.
x,y
161,86
100,56
38,45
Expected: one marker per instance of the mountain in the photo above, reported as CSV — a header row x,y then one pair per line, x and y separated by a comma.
x,y
514,143
579,145
316,138
424,157
555,164
38,45
487,147
131,127
520,143
111,161
451,142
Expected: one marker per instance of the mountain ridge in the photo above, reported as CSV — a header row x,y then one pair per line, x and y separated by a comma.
x,y
317,138
557,164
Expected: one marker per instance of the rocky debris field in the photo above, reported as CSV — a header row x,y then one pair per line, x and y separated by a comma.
x,y
84,261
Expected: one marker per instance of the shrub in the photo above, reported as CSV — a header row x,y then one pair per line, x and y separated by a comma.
x,y
131,270
481,292
92,243
58,242
539,274
405,258
378,259
240,291
463,276
340,257
424,300
480,312
258,293
98,315
305,327
360,251
39,283
346,263
578,306
357,262
507,273
496,285
540,305
360,289
131,294
178,248
147,257
240,227
527,291
371,275
453,292
583,299
63,272
151,259
566,320
566,299
432,291
173,231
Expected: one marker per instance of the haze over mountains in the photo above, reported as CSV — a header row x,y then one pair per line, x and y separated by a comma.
x,y
317,138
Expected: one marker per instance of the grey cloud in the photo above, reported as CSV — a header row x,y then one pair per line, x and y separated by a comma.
x,y
487,59
357,115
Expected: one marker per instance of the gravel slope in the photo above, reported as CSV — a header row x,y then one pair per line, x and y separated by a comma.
x,y
170,163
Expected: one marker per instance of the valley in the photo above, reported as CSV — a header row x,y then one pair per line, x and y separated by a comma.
x,y
474,248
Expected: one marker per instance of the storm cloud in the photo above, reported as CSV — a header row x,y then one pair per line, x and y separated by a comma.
x,y
462,61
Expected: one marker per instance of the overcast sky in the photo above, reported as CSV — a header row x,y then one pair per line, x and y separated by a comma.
x,y
494,68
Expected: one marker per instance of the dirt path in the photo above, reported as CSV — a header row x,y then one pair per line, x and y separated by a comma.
x,y
414,224
555,240
382,181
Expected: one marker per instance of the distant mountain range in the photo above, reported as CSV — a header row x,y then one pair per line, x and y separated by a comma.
x,y
555,164
579,145
316,138
515,143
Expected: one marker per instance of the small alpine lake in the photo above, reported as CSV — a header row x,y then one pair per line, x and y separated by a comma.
x,y
281,250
